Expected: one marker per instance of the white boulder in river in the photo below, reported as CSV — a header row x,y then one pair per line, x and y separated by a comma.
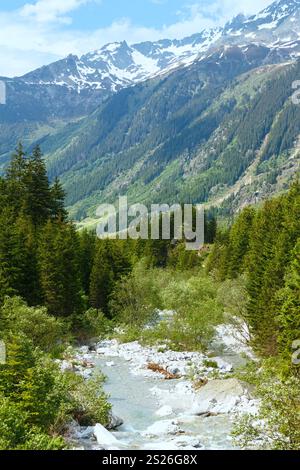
x,y
164,411
104,437
163,427
217,397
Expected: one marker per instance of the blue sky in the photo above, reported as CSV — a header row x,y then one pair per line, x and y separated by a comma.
x,y
149,13
37,32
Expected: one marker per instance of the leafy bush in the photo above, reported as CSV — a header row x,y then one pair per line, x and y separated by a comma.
x,y
128,334
17,434
197,309
88,401
182,259
39,398
209,363
93,323
192,297
136,297
277,424
45,331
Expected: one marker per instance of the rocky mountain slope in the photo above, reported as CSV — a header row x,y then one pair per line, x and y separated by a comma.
x,y
189,119
120,65
203,133
74,86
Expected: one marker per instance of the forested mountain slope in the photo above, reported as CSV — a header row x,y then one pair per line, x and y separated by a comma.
x,y
221,127
207,118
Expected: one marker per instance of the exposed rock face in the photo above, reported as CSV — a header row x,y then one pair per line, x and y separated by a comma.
x,y
118,65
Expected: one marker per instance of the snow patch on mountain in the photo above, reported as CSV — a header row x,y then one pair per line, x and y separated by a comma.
x,y
119,65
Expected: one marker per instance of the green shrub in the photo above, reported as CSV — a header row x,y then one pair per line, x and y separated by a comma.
x,y
136,297
93,323
191,295
212,364
182,259
40,441
128,334
89,404
16,433
277,424
197,309
45,331
42,399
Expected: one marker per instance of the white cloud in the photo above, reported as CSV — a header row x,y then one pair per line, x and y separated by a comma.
x,y
216,12
36,34
46,11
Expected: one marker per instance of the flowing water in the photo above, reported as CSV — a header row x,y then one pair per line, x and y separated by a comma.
x,y
132,400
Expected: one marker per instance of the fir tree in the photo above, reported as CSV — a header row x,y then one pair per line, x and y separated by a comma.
x,y
211,228
59,269
239,242
38,197
16,169
102,282
58,195
12,257
264,278
289,301
110,264
29,287
5,288
87,248
15,184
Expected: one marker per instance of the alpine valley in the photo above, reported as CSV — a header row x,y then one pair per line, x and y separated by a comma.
x,y
154,345
208,118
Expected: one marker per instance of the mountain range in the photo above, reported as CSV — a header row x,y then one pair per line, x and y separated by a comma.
x,y
208,118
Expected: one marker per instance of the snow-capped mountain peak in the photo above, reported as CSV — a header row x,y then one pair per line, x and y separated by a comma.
x,y
118,65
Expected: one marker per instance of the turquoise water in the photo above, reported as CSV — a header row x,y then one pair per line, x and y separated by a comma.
x,y
133,401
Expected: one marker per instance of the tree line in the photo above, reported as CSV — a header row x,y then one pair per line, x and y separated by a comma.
x,y
263,245
46,261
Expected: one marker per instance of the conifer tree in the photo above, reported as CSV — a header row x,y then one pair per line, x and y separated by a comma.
x,y
12,259
289,301
29,287
17,166
102,282
219,257
38,197
87,244
15,184
211,228
19,358
58,195
157,253
110,264
239,242
5,288
59,269
264,278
